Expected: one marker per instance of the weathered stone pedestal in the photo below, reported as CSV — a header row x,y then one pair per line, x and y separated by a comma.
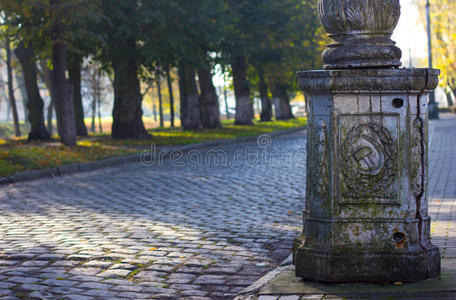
x,y
366,197
366,202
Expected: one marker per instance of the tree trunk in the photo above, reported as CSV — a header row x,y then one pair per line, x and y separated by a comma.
x,y
127,112
281,102
21,84
225,97
266,106
64,107
74,70
46,77
171,97
35,103
50,116
8,108
449,99
94,111
244,106
12,100
100,125
454,92
190,112
160,103
95,88
210,113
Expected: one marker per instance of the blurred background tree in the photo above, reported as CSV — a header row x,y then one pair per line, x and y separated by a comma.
x,y
69,49
443,36
444,31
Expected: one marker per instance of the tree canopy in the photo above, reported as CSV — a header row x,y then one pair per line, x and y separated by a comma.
x,y
134,40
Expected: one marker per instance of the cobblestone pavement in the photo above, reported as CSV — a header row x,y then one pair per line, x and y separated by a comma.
x,y
180,229
442,184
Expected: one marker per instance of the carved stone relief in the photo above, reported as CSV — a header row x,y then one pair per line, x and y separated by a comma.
x,y
367,162
319,154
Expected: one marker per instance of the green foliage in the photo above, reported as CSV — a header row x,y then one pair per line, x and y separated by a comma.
x,y
277,38
32,21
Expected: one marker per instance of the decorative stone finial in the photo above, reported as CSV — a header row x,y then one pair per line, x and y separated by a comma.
x,y
362,30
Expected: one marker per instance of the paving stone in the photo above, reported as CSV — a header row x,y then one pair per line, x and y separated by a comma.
x,y
6,285
35,263
223,270
32,287
8,262
166,296
18,279
291,297
210,279
220,295
98,264
263,297
194,293
157,290
6,293
164,268
100,293
65,263
65,290
84,271
179,286
85,278
77,297
127,288
41,295
132,295
94,285
193,270
151,275
61,283
116,272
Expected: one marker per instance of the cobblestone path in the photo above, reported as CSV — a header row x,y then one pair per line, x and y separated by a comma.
x,y
442,184
187,228
180,229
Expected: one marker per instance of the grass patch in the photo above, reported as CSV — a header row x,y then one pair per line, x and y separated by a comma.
x,y
7,128
17,155
175,136
21,156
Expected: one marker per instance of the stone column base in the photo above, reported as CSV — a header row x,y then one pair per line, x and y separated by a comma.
x,y
358,265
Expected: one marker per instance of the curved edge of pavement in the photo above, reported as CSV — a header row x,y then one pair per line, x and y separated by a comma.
x,y
132,158
251,292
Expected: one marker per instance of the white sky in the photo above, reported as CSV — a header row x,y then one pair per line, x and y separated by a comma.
x,y
410,35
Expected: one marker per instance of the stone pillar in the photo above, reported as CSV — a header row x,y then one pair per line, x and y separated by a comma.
x,y
366,216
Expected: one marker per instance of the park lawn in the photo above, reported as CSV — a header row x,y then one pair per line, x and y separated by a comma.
x,y
17,155
175,136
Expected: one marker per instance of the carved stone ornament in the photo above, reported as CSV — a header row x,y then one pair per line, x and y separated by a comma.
x,y
319,162
362,30
368,163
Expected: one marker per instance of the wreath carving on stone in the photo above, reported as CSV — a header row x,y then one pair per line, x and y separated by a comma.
x,y
368,164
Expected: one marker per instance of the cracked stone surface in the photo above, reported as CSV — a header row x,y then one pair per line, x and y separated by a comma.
x,y
175,230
